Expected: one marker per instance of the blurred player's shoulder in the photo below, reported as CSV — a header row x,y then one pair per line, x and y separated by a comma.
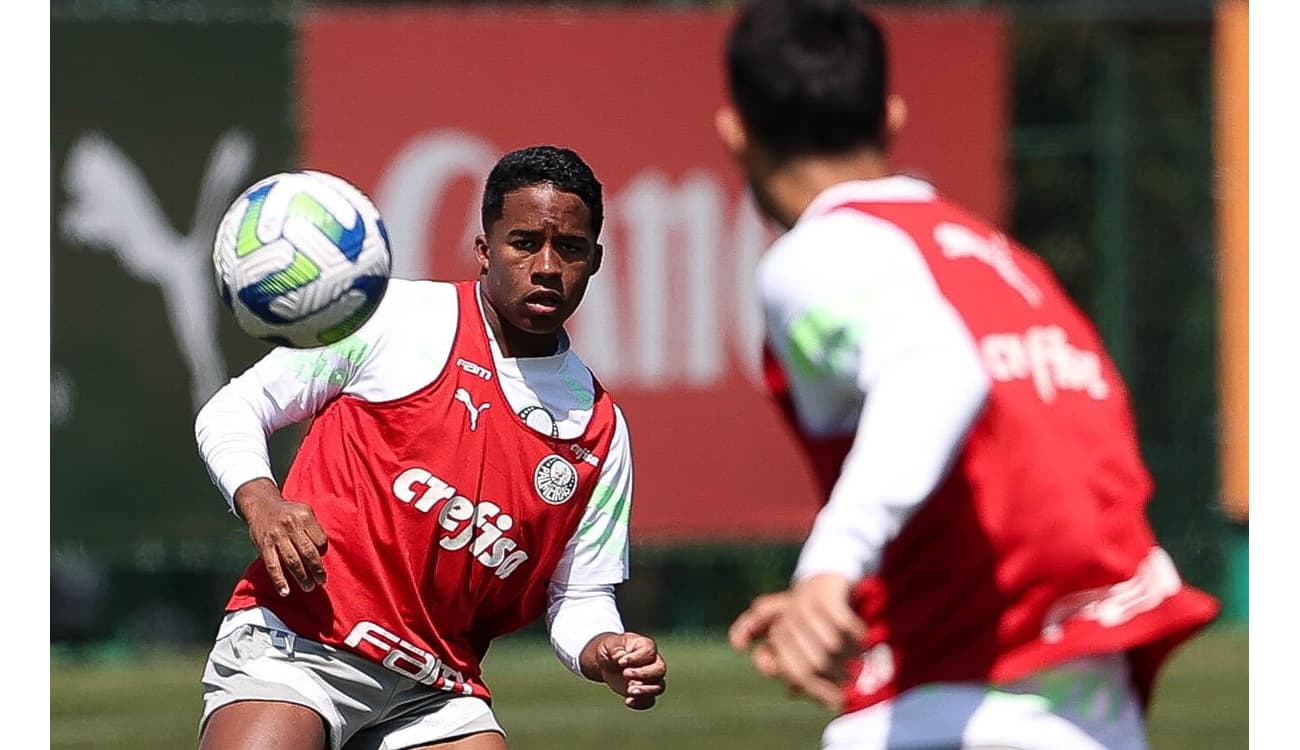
x,y
835,250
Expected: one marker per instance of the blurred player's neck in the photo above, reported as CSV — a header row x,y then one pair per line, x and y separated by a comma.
x,y
794,183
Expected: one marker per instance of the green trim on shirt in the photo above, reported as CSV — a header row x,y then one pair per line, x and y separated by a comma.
x,y
825,340
331,363
603,497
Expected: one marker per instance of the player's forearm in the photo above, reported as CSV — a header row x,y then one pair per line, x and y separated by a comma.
x,y
915,422
254,495
232,442
576,617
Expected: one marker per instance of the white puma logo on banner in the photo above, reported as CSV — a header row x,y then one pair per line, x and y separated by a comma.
x,y
111,207
463,396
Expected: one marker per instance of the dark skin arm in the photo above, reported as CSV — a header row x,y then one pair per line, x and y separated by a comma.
x,y
285,533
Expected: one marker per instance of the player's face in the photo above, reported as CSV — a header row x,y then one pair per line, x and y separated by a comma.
x,y
536,261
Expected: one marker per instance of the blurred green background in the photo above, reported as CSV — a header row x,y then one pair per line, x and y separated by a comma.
x,y
714,700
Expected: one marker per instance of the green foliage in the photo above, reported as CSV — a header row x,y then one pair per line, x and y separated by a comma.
x,y
1112,168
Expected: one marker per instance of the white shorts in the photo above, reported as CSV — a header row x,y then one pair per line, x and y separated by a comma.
x,y
364,705
1086,704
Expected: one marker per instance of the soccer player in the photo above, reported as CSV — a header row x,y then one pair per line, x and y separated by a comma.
x,y
463,474
982,573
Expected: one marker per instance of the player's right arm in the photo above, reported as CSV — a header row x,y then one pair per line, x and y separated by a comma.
x,y
284,387
402,348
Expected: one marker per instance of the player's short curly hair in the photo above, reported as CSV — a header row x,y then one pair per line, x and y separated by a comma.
x,y
808,76
561,167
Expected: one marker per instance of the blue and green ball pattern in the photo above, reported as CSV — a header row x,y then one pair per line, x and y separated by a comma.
x,y
302,271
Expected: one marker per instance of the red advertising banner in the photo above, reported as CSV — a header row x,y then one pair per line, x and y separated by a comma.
x,y
416,105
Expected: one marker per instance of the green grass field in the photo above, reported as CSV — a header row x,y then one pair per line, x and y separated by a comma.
x,y
715,701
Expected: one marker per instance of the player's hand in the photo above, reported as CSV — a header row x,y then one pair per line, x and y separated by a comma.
x,y
285,533
810,632
630,664
753,624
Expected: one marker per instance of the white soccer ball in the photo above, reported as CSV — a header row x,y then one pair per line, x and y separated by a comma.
x,y
302,259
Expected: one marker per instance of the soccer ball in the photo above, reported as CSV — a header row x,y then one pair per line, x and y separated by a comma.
x,y
302,259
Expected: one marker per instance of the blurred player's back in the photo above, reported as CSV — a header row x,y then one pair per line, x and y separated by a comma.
x,y
1040,526
984,533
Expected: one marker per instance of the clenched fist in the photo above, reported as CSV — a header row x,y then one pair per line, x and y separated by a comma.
x,y
630,664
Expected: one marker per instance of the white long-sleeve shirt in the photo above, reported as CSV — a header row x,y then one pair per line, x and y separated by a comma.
x,y
402,348
871,348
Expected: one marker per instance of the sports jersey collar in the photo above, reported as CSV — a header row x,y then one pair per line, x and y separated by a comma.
x,y
894,188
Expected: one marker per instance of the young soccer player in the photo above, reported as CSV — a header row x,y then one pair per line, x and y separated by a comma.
x,y
463,474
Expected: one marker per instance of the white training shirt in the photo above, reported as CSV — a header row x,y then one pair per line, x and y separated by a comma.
x,y
401,349
871,348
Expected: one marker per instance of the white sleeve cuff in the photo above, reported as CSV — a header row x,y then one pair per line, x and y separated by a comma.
x,y
238,471
575,615
837,554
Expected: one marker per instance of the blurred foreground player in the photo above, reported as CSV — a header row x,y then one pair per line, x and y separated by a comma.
x,y
982,573
463,474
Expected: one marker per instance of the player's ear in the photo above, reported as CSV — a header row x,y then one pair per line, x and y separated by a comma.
x,y
731,130
481,252
895,117
597,258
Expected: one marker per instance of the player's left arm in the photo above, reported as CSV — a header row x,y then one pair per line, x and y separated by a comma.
x,y
909,355
582,615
